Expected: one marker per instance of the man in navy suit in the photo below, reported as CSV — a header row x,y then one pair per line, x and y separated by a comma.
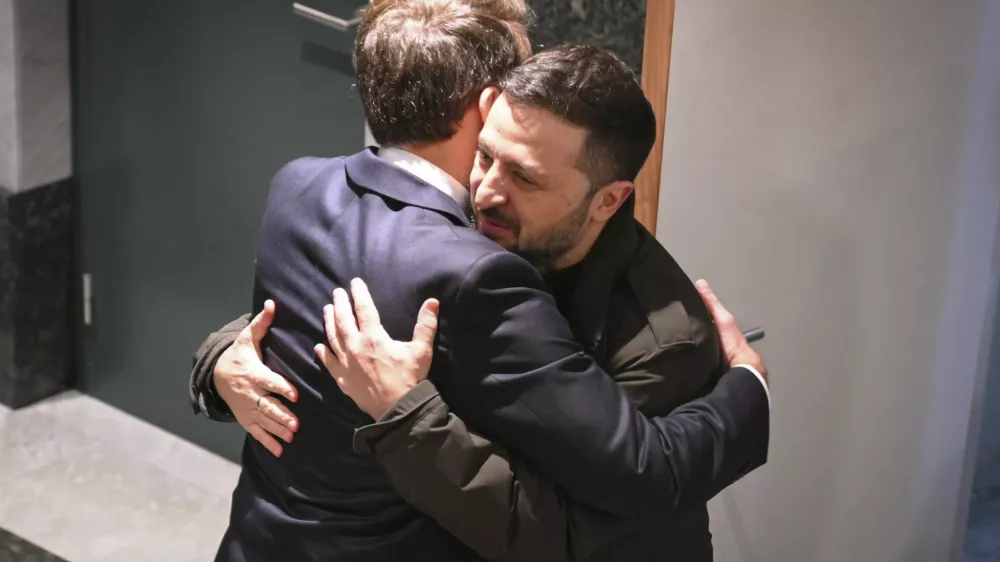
x,y
506,361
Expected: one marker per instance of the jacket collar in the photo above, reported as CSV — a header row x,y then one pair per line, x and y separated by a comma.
x,y
367,171
426,171
586,307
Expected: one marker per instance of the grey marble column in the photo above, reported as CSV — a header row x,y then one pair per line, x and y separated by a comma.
x,y
616,25
36,202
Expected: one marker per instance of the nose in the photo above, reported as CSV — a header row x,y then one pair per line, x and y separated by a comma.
x,y
490,192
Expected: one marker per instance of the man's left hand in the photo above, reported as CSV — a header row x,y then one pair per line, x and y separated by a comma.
x,y
248,387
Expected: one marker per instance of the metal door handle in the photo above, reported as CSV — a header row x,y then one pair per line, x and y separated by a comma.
x,y
326,19
754,334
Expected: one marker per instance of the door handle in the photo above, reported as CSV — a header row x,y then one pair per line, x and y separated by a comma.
x,y
317,16
754,334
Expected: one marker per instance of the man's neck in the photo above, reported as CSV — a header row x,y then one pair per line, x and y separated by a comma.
x,y
447,156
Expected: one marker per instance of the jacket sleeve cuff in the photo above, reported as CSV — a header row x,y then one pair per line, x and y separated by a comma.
x,y
205,398
215,407
760,378
406,411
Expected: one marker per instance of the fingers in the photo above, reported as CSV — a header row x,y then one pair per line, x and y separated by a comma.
x,y
274,410
265,438
326,356
271,426
332,336
364,306
262,322
714,305
347,327
427,323
329,361
275,384
340,374
735,347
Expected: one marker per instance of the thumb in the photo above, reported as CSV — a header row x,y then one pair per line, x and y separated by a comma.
x,y
427,323
262,322
719,313
733,342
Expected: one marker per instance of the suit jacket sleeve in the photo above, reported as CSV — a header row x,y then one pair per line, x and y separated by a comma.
x,y
201,388
494,502
515,373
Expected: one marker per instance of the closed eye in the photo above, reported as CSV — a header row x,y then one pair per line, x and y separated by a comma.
x,y
521,177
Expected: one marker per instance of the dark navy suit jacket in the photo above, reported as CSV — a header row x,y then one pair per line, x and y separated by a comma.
x,y
505,361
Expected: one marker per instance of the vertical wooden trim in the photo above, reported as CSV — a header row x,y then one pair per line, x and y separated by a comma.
x,y
655,78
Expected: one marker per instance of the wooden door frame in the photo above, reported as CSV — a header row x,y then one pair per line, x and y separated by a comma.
x,y
655,79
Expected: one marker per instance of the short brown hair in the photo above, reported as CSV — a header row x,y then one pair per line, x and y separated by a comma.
x,y
422,63
592,89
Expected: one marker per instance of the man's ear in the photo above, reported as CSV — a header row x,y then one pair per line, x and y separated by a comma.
x,y
486,100
609,199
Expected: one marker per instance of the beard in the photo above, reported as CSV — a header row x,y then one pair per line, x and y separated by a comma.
x,y
543,249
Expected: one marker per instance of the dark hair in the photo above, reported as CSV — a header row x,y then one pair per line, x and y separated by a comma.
x,y
422,63
593,89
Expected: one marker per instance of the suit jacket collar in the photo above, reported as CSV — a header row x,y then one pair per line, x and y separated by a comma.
x,y
367,171
428,172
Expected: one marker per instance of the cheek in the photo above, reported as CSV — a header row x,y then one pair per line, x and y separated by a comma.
x,y
475,178
532,216
546,213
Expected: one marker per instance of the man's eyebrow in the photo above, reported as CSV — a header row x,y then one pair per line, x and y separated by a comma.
x,y
530,170
534,172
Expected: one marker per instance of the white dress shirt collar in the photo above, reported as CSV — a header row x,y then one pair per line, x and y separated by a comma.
x,y
428,172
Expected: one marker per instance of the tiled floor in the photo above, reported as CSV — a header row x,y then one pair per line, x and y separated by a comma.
x,y
88,482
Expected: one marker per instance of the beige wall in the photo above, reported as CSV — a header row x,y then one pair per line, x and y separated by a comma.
x,y
832,167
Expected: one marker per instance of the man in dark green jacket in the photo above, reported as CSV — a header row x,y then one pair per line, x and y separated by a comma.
x,y
627,301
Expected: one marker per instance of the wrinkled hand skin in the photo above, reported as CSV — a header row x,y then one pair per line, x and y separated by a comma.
x,y
247,385
370,367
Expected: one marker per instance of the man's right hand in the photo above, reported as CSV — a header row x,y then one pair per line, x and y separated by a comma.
x,y
369,366
246,385
735,346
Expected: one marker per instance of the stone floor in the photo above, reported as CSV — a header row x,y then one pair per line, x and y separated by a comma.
x,y
87,482
81,481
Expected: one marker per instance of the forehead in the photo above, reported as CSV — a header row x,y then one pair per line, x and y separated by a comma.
x,y
532,136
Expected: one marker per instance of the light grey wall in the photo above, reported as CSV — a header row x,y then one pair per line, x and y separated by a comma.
x,y
987,459
832,167
34,93
990,439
